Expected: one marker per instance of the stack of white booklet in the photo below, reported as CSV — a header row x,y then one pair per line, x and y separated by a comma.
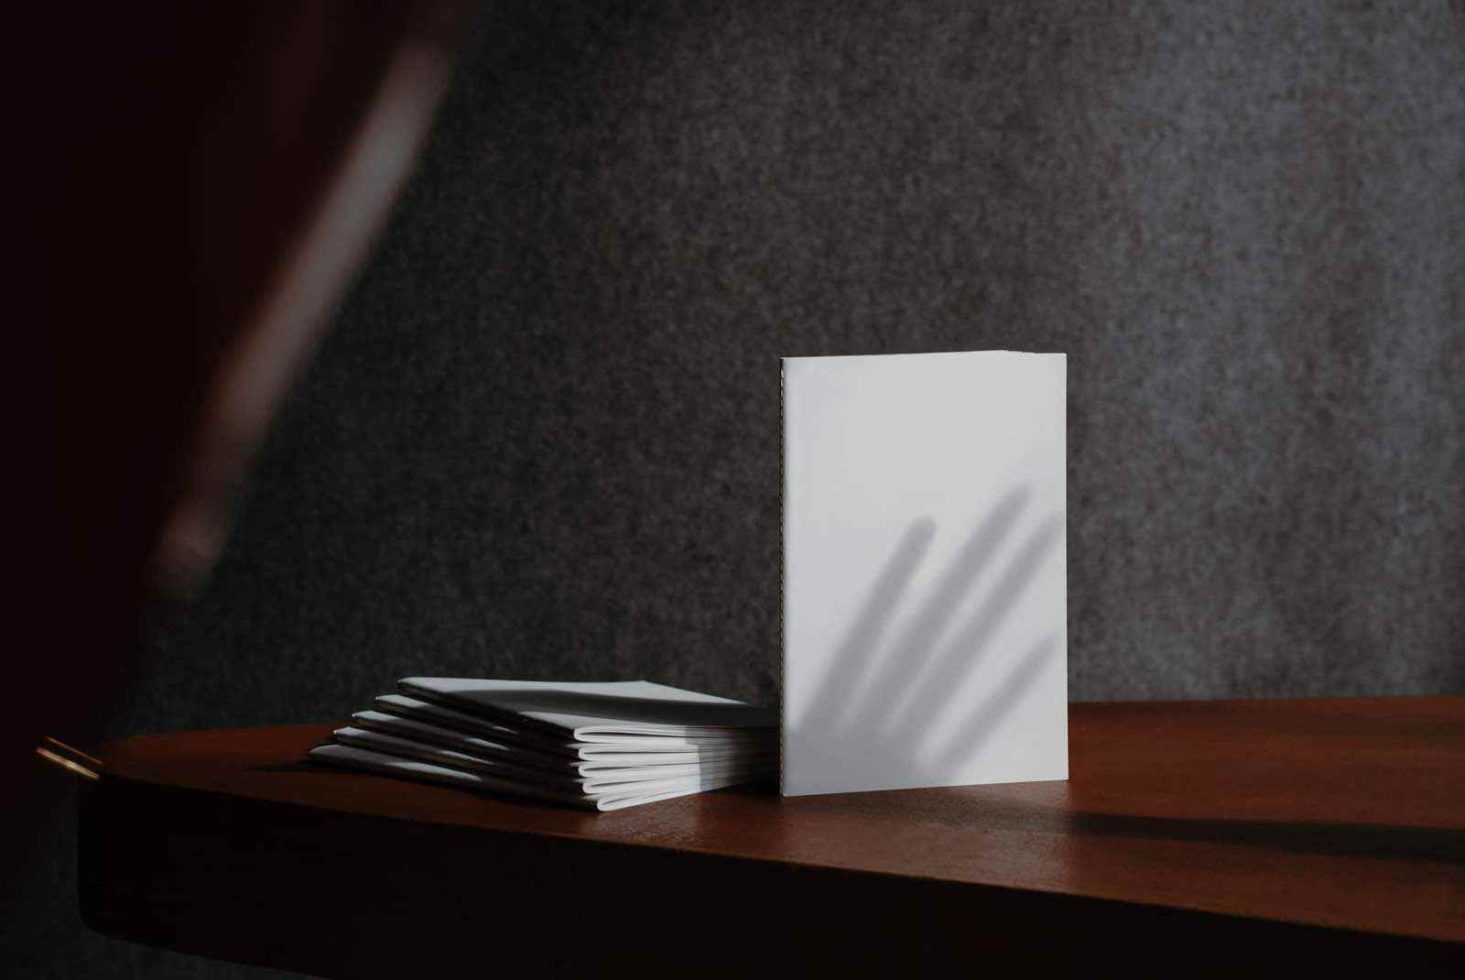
x,y
601,746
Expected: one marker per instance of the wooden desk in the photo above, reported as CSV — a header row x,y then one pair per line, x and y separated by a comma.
x,y
1250,836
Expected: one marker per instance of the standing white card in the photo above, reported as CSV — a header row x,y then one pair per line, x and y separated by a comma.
x,y
925,571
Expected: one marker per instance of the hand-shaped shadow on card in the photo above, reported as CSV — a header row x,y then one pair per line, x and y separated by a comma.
x,y
911,694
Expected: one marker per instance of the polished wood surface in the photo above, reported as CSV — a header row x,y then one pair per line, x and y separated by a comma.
x,y
1342,814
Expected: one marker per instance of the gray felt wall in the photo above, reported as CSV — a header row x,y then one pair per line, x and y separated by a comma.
x,y
542,440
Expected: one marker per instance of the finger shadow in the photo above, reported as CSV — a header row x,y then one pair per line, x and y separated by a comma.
x,y
871,710
905,661
995,708
854,658
940,678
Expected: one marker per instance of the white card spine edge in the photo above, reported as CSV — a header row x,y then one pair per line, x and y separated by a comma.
x,y
782,561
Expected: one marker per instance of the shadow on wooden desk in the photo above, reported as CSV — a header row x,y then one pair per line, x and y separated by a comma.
x,y
1240,838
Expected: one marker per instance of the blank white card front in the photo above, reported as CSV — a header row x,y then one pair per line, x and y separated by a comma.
x,y
925,571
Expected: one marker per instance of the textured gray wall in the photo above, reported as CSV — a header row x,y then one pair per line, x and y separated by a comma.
x,y
542,440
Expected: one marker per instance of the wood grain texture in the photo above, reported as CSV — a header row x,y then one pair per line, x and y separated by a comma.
x,y
1337,826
